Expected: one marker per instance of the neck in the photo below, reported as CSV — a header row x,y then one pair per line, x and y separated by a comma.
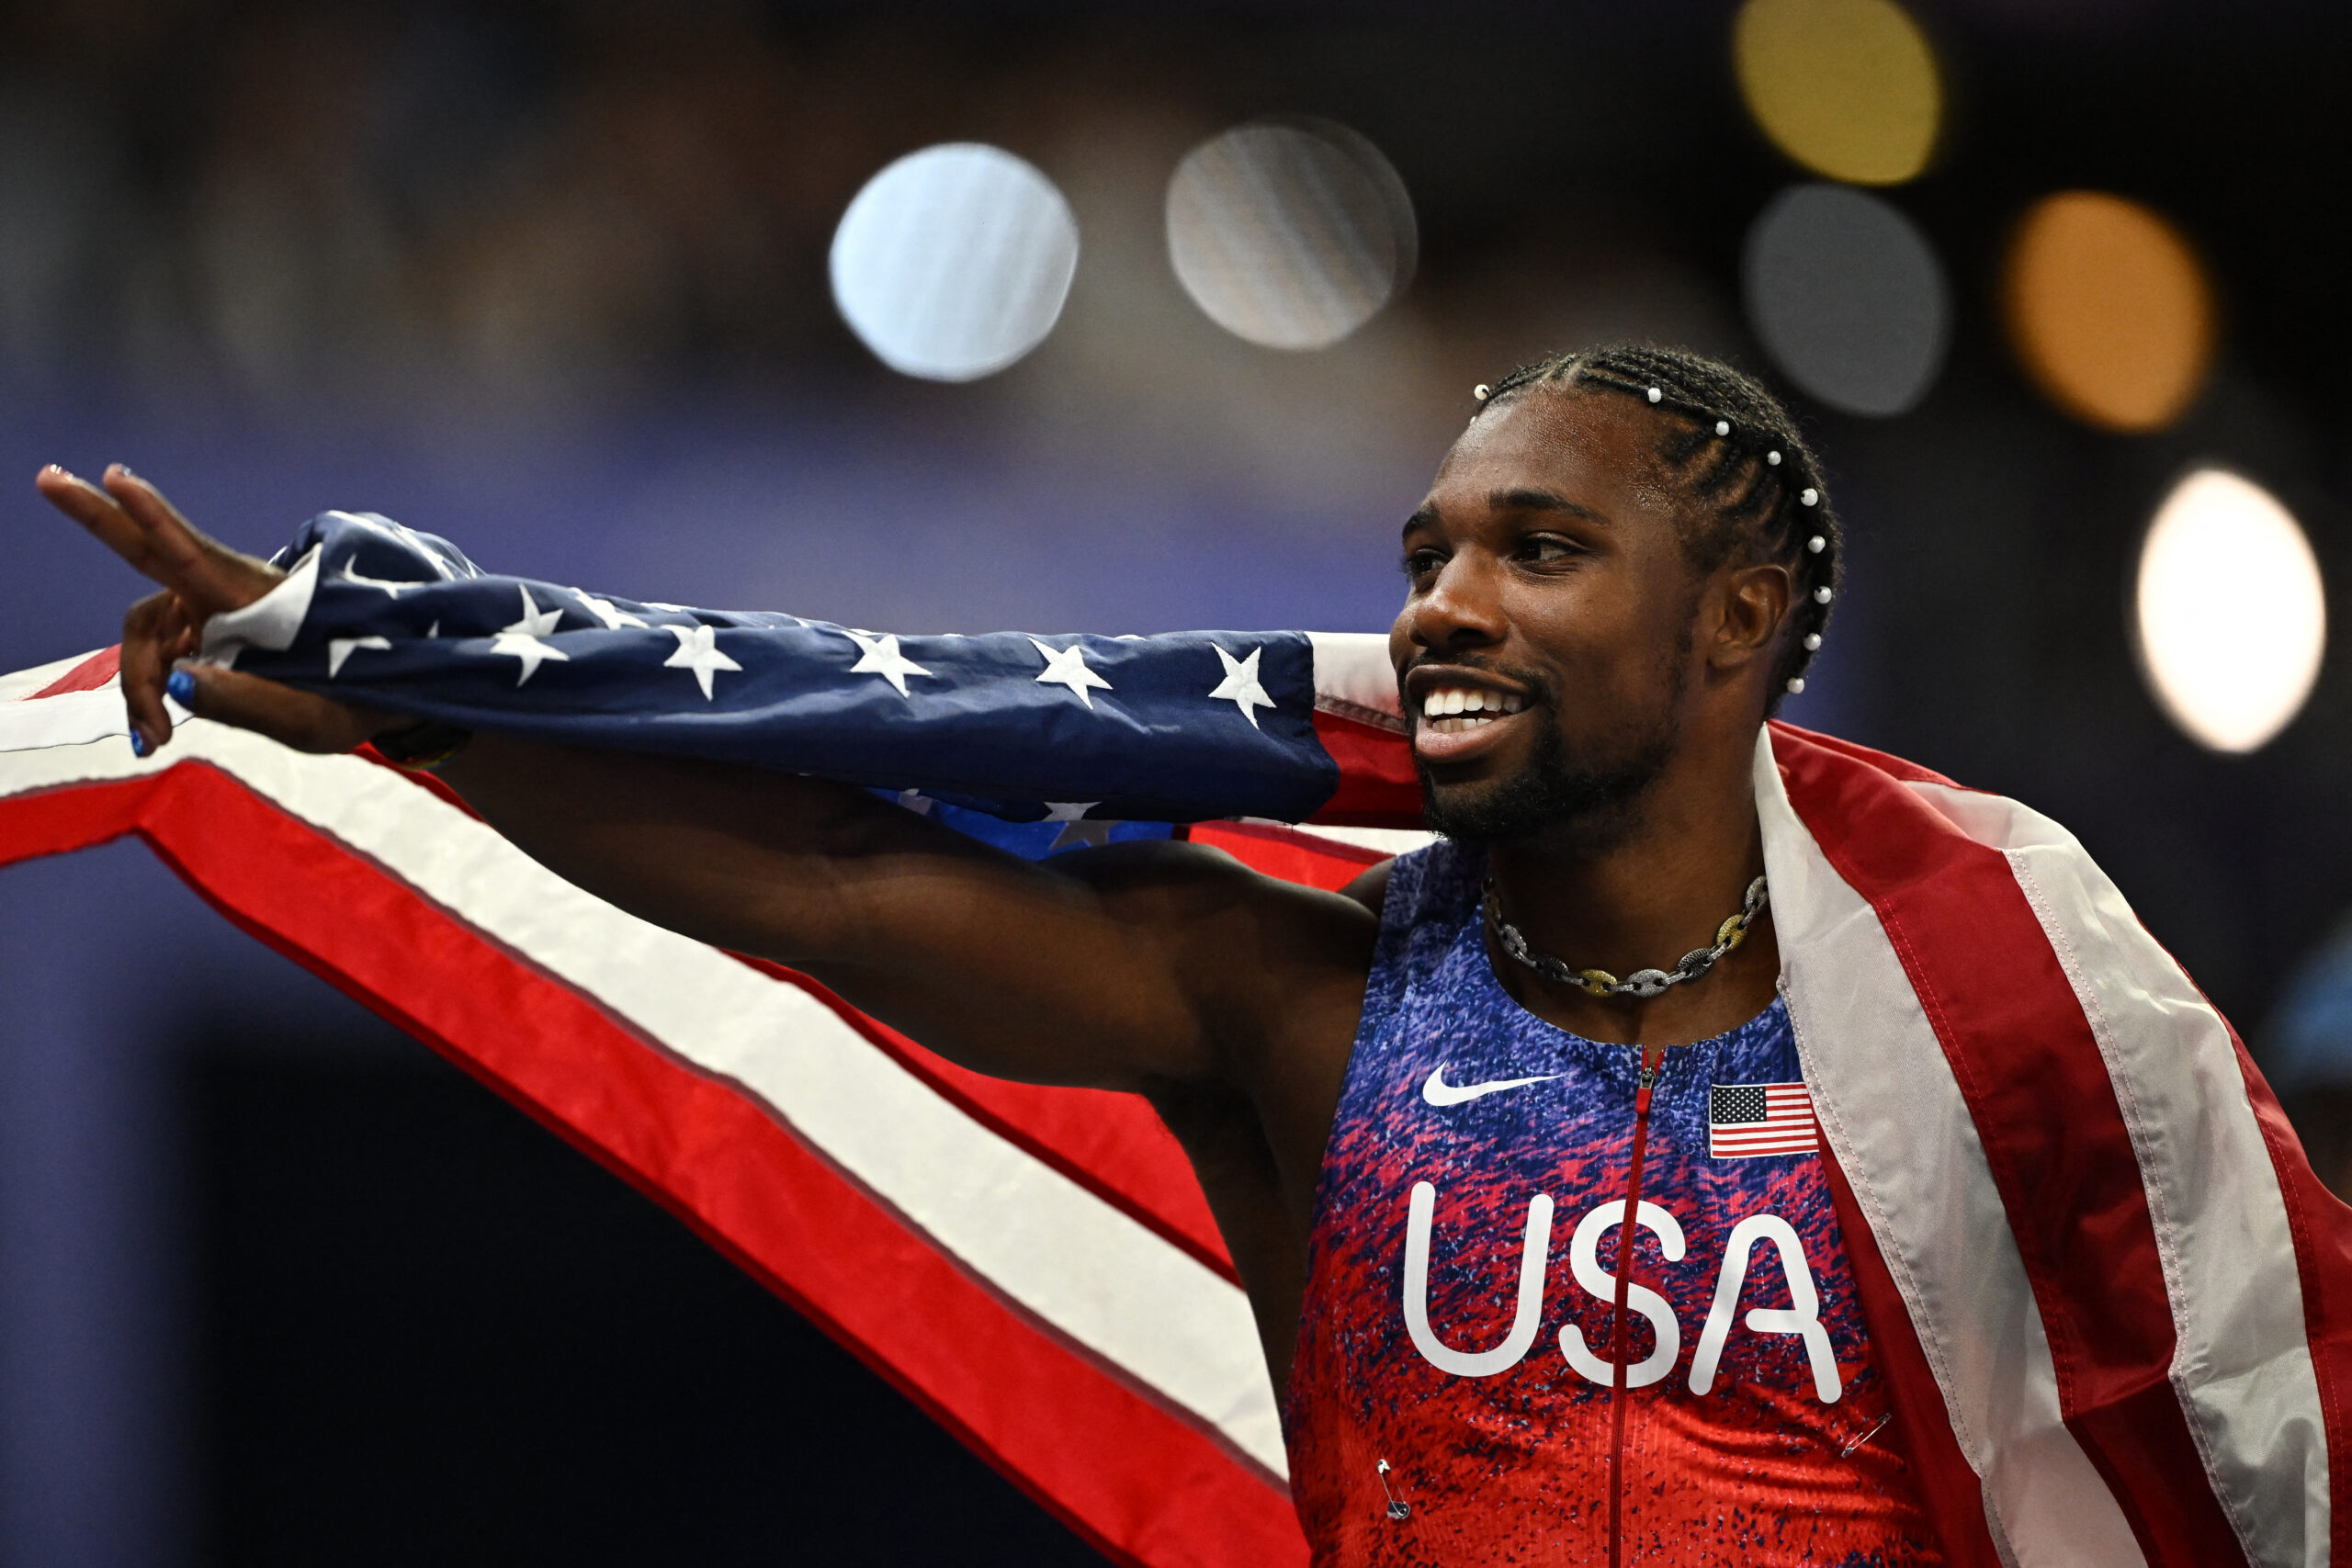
x,y
1640,898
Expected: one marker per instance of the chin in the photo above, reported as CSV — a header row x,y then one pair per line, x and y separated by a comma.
x,y
1492,800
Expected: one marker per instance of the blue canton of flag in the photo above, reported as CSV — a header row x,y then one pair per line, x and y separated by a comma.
x,y
1060,734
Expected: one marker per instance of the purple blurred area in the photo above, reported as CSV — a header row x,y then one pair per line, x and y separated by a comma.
x,y
550,278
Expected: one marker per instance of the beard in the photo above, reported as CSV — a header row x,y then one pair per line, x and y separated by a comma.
x,y
1594,799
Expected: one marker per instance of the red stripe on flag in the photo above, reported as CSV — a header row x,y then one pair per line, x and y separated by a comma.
x,y
1113,1145
2323,1264
87,676
1289,855
1142,1483
2038,1093
1948,1483
1378,787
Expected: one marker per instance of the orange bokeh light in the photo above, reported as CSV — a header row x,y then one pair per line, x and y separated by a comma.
x,y
2110,309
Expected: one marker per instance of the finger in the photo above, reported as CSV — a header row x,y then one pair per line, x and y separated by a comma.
x,y
100,513
303,720
198,565
145,629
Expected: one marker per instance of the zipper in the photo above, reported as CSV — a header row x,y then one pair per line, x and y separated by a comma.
x,y
1651,1056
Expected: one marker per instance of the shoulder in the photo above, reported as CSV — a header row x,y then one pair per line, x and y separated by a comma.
x,y
1371,889
1201,896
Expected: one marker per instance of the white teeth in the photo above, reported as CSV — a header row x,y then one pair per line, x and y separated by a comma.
x,y
1441,705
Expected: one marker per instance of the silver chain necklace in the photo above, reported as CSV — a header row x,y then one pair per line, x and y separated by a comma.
x,y
1641,984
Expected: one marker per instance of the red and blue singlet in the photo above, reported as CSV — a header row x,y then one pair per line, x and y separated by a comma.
x,y
1452,1398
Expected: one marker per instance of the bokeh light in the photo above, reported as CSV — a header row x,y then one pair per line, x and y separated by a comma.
x,y
2231,613
1849,89
1848,298
953,262
2110,309
1290,233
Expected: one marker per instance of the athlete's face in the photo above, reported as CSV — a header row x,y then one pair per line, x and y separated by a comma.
x,y
1547,585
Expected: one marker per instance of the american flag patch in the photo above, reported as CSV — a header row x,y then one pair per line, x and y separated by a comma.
x,y
1749,1120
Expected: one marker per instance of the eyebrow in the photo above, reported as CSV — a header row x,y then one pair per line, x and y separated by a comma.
x,y
1540,501
1426,515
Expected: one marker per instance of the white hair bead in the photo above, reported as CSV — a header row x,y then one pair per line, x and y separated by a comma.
x,y
1480,391
1723,427
1808,497
1813,642
1773,459
1796,684
1657,396
1821,594
1816,544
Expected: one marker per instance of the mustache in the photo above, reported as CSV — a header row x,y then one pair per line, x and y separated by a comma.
x,y
1533,682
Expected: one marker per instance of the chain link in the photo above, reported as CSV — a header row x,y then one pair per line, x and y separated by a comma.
x,y
1641,984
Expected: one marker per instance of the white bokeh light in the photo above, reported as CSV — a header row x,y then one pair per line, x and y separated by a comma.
x,y
953,262
1290,233
2232,614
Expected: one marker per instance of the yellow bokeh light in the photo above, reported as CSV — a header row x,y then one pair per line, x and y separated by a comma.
x,y
2110,309
1849,89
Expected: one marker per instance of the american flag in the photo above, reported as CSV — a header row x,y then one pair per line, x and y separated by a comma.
x,y
1746,1121
1100,1350
1135,733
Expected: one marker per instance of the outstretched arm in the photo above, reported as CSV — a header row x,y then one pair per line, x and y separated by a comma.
x,y
1136,967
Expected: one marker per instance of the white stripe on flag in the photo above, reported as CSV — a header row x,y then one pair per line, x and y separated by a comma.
x,y
1051,1246
1895,1120
2242,1365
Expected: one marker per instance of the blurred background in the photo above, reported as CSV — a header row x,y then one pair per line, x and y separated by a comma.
x,y
963,317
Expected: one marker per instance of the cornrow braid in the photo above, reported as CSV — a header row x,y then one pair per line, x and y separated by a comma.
x,y
1737,453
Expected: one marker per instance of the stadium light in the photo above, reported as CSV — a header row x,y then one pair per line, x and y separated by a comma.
x,y
2231,616
953,262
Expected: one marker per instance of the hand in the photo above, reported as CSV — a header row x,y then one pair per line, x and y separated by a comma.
x,y
201,577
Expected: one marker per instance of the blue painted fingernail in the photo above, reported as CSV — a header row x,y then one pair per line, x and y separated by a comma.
x,y
181,688
138,744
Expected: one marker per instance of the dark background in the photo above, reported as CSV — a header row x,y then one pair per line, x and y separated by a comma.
x,y
275,1286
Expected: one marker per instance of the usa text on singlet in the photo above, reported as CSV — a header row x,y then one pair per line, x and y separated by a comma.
x,y
1451,1399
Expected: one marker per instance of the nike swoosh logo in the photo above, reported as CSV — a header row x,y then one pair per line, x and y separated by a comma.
x,y
1437,1091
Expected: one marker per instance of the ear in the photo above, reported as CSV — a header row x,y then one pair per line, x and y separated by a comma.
x,y
1751,604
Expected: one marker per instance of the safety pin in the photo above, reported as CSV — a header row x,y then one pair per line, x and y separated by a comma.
x,y
1396,1509
1866,1437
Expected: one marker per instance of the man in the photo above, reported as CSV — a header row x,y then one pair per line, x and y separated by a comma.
x,y
1389,1094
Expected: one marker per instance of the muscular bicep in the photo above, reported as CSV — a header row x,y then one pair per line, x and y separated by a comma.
x,y
1122,967
1127,967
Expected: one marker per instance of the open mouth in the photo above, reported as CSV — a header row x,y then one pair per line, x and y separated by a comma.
x,y
1459,710
1456,715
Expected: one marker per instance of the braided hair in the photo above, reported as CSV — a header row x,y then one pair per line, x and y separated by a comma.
x,y
1736,453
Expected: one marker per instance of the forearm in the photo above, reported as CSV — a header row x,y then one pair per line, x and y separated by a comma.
x,y
739,857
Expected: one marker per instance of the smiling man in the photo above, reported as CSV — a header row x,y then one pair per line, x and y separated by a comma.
x,y
1423,1110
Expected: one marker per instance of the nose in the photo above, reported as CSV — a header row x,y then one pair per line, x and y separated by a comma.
x,y
1461,608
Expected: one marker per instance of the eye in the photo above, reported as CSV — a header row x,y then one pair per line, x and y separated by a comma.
x,y
1548,549
1418,565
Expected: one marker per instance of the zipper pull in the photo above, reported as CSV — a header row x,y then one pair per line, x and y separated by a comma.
x,y
1651,1056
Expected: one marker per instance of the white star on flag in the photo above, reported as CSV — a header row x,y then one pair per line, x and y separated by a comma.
x,y
880,655
394,589
1066,667
1240,686
602,610
697,651
340,648
1077,829
522,639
